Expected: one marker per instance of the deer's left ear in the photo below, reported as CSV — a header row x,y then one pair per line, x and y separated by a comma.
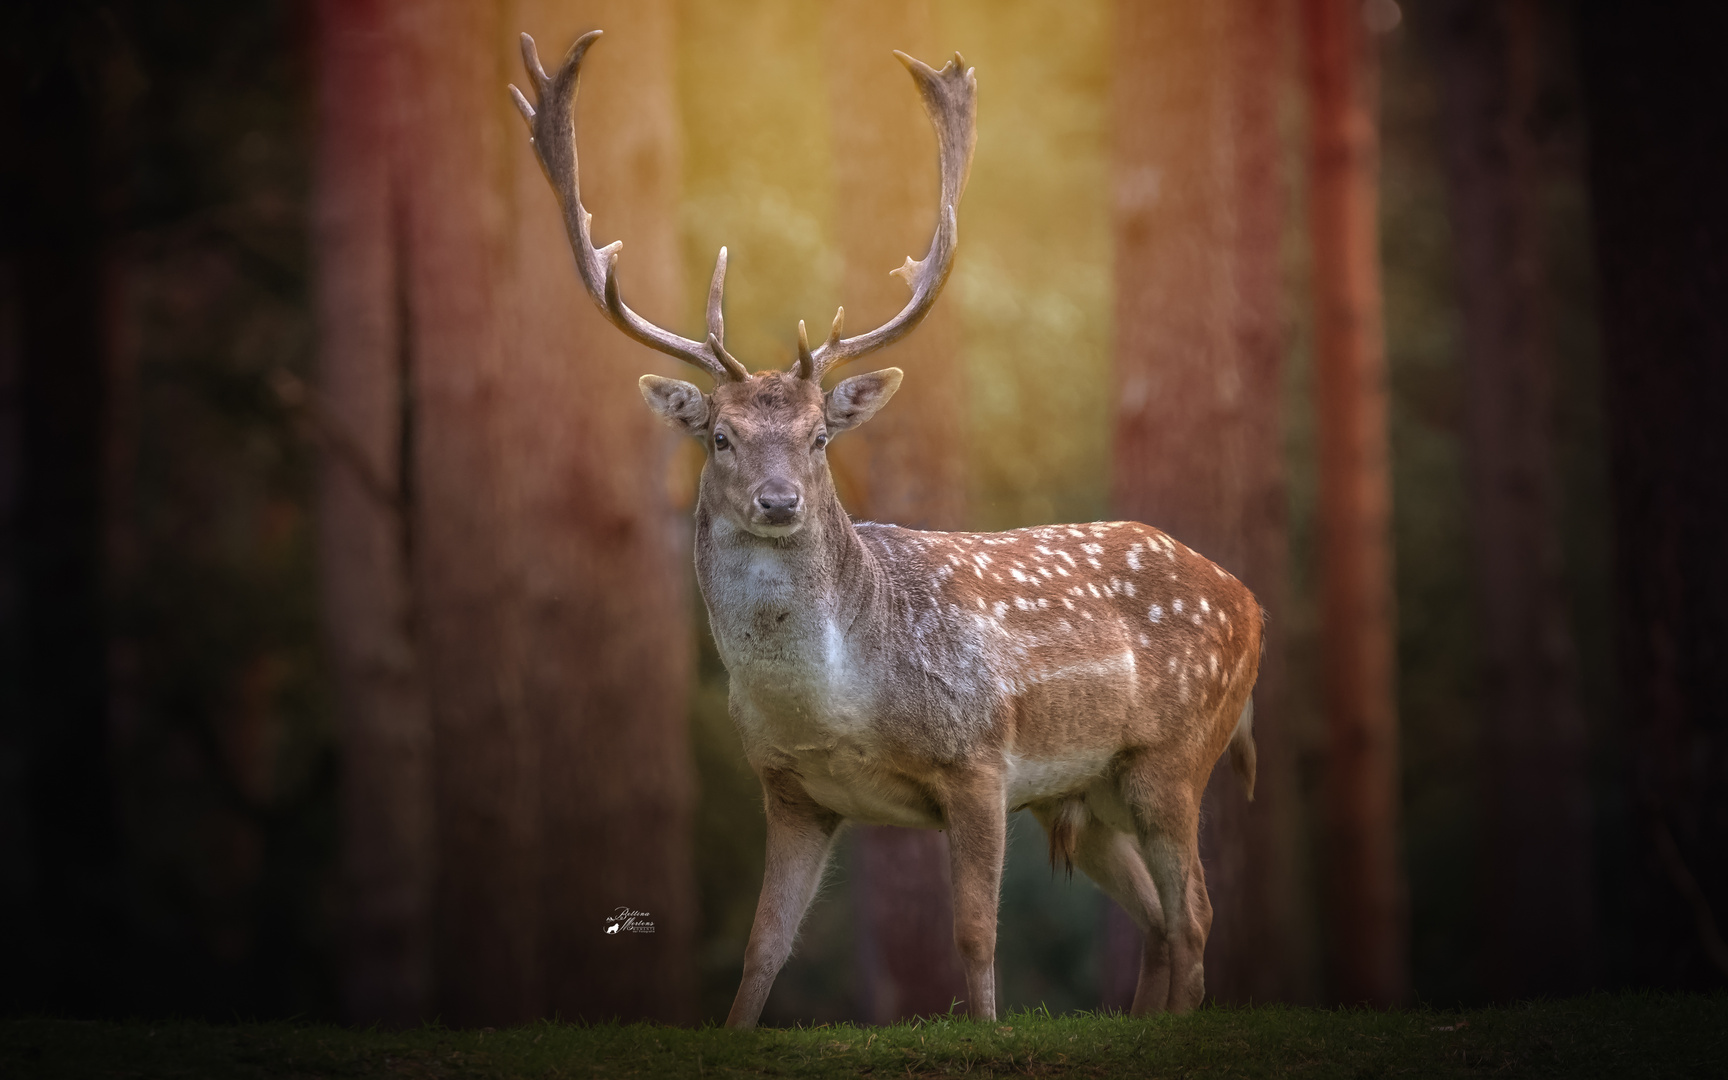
x,y
679,403
859,398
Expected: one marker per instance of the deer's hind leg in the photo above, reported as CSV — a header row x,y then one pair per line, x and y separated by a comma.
x,y
1112,860
1167,825
800,836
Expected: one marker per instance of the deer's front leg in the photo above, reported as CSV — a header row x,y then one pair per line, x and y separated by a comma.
x,y
800,836
977,840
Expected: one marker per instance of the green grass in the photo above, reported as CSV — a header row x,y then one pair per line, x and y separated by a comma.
x,y
1632,1035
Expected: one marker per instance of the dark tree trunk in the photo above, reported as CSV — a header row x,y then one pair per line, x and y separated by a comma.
x,y
1537,890
1655,83
908,465
1366,903
63,903
365,597
1198,451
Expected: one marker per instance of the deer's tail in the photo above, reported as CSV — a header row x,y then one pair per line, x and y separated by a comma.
x,y
1242,755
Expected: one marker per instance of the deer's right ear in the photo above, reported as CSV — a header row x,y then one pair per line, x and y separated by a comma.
x,y
857,399
680,404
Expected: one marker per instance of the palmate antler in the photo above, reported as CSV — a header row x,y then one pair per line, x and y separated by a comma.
x,y
552,130
950,98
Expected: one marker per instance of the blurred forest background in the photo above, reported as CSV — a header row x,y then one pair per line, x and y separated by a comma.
x,y
350,658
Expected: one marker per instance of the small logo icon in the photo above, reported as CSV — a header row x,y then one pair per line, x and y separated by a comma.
x,y
629,921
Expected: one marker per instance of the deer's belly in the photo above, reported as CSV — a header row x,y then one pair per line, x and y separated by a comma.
x,y
1030,779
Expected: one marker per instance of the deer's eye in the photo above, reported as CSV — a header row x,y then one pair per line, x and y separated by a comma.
x,y
821,440
721,442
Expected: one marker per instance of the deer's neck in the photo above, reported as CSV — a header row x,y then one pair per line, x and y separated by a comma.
x,y
766,593
788,601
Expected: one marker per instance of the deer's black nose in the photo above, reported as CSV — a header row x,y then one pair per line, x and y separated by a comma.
x,y
778,500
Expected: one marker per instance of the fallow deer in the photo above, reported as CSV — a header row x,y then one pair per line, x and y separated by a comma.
x,y
1092,674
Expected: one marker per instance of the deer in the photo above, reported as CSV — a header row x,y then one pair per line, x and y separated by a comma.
x,y
1093,673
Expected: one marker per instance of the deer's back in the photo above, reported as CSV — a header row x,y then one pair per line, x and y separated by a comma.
x,y
1091,641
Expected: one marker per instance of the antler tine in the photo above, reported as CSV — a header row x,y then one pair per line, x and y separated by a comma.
x,y
951,100
806,365
717,321
551,120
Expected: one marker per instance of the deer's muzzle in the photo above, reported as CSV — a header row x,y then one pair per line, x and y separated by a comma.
x,y
777,503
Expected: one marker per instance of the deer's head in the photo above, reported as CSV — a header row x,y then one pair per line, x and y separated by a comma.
x,y
765,434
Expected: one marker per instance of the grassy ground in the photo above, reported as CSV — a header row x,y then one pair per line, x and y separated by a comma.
x,y
1620,1036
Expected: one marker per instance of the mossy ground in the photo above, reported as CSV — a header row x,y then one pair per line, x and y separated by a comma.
x,y
1621,1036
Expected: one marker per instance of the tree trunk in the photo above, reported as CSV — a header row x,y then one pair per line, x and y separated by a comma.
x,y
64,908
364,595
1198,362
1537,887
1272,921
549,599
453,149
907,465
1654,86
1366,902
604,558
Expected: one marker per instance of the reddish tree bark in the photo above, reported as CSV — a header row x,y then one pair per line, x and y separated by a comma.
x,y
1198,450
1537,889
365,598
1267,927
604,588
549,598
487,911
1366,903
907,465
